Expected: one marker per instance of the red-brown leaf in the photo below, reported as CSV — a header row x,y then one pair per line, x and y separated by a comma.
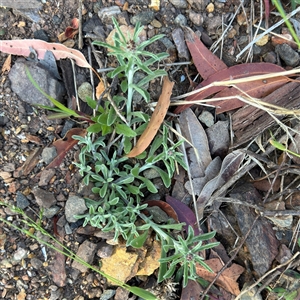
x,y
64,145
167,208
254,88
205,61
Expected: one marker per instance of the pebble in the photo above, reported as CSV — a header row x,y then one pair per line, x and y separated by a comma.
x,y
105,250
288,55
179,3
206,118
178,38
46,176
107,294
48,154
105,14
50,212
212,24
85,90
196,18
74,206
263,40
86,251
22,86
22,201
181,20
159,216
41,35
210,8
36,263
43,198
270,57
145,18
19,254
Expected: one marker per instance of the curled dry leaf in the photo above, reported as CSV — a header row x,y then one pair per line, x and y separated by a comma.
x,y
156,120
22,47
64,145
7,64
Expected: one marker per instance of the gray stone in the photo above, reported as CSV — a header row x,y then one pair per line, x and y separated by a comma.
x,y
48,154
106,14
36,263
181,20
145,17
206,118
86,251
105,250
218,138
46,175
107,294
179,3
22,201
19,254
74,206
196,18
178,38
85,90
23,87
43,198
288,55
159,216
50,212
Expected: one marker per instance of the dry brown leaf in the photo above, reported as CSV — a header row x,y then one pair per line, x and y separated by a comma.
x,y
227,280
7,64
64,145
155,121
100,89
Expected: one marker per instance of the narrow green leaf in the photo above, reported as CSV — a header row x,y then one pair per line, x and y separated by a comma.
x,y
139,241
125,130
143,92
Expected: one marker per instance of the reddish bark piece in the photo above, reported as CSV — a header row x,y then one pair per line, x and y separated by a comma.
x,y
185,214
254,88
64,145
157,118
167,208
22,47
205,61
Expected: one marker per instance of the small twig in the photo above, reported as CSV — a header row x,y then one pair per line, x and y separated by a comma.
x,y
75,84
80,39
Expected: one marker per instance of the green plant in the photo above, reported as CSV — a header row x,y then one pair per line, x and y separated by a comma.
x,y
130,53
118,181
27,222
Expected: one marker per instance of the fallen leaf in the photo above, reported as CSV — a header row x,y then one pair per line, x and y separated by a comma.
x,y
205,61
64,145
185,214
70,31
7,64
198,150
257,88
156,120
22,47
227,280
100,89
229,166
212,69
192,291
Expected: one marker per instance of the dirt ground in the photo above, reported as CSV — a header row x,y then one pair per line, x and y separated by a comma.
x,y
27,269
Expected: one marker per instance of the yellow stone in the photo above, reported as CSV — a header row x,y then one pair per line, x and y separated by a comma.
x,y
210,8
263,40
